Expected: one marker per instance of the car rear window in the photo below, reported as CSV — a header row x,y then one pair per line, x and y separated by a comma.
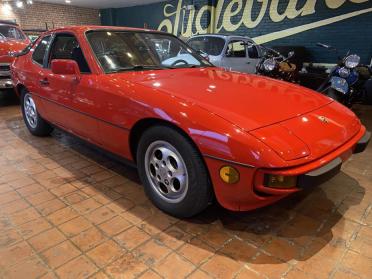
x,y
210,45
11,32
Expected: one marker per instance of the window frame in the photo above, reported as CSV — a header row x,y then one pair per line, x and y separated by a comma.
x,y
54,37
235,40
46,50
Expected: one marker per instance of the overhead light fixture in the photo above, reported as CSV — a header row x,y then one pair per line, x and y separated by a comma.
x,y
68,1
29,2
6,8
19,4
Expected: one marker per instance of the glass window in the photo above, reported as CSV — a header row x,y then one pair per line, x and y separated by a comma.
x,y
252,51
11,32
128,50
66,46
236,49
208,44
39,52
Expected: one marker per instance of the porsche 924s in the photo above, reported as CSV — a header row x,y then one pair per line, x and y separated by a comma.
x,y
195,131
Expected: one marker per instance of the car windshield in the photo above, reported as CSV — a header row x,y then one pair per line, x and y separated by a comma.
x,y
11,32
119,51
208,44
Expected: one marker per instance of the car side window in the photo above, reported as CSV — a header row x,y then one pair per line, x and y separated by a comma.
x,y
236,48
253,51
40,50
66,46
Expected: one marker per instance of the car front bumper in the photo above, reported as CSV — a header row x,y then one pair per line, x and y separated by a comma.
x,y
251,193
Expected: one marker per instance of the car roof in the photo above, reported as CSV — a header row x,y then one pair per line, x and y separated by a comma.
x,y
85,28
225,36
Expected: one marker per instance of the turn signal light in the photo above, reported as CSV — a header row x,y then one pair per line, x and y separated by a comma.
x,y
280,181
229,175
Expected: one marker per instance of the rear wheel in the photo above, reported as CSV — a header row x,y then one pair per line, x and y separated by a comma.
x,y
34,122
173,173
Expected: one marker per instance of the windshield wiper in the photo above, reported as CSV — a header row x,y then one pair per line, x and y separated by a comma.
x,y
139,68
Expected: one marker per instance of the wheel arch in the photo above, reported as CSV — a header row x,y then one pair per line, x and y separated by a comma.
x,y
142,125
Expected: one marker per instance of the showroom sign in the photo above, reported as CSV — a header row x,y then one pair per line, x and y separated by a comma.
x,y
221,16
345,24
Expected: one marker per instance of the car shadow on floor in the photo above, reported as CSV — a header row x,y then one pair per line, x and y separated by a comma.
x,y
8,98
295,228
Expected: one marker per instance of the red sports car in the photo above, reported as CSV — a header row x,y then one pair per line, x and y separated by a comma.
x,y
12,39
195,131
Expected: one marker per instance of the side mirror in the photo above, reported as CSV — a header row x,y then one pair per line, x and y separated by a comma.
x,y
65,67
291,54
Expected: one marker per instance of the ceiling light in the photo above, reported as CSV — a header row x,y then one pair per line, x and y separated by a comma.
x,y
19,4
68,1
6,8
29,2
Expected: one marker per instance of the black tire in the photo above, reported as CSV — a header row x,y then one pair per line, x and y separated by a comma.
x,y
40,127
198,193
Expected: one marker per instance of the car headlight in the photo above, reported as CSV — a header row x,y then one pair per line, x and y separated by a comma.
x,y
344,72
352,61
269,64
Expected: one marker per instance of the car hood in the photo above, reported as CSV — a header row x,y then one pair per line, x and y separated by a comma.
x,y
247,101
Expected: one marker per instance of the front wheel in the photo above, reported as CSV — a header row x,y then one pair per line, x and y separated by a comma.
x,y
34,122
173,173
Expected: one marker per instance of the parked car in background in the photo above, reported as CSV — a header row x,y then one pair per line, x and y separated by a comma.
x,y
12,40
195,131
235,53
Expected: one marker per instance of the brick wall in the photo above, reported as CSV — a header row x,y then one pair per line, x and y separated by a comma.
x,y
35,16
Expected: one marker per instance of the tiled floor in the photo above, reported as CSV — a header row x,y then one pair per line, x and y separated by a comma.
x,y
68,211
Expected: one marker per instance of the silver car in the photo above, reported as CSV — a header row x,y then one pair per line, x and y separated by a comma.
x,y
235,53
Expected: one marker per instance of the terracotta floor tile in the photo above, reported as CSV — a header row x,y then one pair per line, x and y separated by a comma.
x,y
246,273
173,237
63,215
31,267
80,267
9,237
358,264
239,250
99,275
75,197
9,197
174,266
5,188
24,216
49,207
283,249
75,226
221,267
100,215
88,239
106,253
14,206
149,274
86,206
60,254
40,198
30,190
151,252
34,227
126,266
196,251
63,190
268,266
11,255
46,239
120,205
132,238
198,274
115,226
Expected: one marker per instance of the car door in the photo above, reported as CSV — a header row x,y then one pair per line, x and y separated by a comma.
x,y
236,57
254,56
71,98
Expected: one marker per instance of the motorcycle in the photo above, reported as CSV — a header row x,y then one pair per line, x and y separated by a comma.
x,y
275,65
346,82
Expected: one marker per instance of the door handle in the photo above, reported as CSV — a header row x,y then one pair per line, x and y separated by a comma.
x,y
44,82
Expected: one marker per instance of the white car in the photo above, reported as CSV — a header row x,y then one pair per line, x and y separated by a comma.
x,y
235,53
